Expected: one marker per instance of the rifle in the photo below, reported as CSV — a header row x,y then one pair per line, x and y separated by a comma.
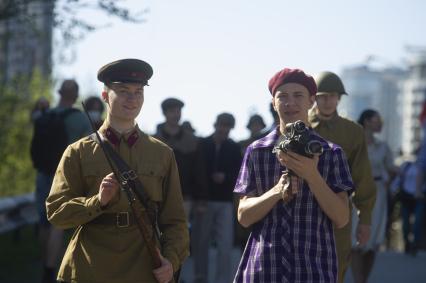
x,y
125,179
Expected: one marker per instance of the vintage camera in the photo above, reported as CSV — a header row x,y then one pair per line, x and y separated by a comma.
x,y
298,139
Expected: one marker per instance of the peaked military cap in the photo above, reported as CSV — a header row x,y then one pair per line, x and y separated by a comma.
x,y
170,103
126,71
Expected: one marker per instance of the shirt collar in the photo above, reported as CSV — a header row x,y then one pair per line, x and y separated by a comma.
x,y
315,120
115,137
269,140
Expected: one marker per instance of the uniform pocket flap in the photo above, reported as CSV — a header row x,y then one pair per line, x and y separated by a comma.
x,y
151,177
151,169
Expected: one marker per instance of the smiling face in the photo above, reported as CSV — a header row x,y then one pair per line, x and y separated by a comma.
x,y
125,100
292,102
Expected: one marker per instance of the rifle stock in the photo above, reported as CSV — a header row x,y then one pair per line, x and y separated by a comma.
x,y
143,224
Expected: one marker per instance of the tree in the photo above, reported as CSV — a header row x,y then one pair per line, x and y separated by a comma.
x,y
25,37
65,14
16,172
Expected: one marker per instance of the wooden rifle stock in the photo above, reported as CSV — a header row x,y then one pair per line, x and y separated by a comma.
x,y
142,220
144,225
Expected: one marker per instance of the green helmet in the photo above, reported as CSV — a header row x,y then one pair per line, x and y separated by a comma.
x,y
329,82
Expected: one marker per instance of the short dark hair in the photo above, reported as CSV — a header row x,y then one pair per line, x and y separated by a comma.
x,y
171,103
67,86
226,118
91,101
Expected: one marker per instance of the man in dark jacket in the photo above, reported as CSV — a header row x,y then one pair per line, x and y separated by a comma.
x,y
185,145
222,162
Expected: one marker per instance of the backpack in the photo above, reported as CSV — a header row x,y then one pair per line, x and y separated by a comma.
x,y
49,141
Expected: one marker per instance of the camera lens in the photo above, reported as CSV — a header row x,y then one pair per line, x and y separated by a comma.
x,y
299,126
314,147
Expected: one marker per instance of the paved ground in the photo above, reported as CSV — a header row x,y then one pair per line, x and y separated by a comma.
x,y
390,267
395,267
20,263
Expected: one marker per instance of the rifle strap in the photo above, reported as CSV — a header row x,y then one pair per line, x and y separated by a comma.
x,y
125,171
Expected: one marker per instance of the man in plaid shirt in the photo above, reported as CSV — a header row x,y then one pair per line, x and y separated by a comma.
x,y
292,236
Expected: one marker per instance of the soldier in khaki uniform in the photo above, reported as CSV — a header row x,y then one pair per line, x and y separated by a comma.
x,y
349,135
107,245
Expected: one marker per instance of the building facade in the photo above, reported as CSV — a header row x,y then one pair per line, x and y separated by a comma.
x,y
26,40
413,98
379,89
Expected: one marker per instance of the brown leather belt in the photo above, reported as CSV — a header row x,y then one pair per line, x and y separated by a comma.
x,y
119,219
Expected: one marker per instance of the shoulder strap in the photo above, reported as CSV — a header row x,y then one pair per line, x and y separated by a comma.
x,y
126,172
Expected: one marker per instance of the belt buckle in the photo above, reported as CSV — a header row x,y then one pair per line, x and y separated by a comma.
x,y
119,223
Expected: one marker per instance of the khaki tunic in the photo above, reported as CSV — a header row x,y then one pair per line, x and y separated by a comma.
x,y
107,253
350,136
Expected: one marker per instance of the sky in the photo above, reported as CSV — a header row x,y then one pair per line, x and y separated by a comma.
x,y
218,56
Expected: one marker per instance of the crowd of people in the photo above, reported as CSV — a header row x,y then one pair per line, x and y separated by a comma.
x,y
295,218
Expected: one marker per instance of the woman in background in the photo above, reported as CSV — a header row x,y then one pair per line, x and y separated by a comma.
x,y
382,169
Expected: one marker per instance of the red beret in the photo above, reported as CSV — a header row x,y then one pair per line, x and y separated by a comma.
x,y
292,76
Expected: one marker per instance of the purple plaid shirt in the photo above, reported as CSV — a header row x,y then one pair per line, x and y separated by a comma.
x,y
295,241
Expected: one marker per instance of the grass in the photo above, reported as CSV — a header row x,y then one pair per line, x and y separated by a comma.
x,y
20,256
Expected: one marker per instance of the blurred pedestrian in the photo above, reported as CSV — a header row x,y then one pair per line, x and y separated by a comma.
x,y
291,223
380,156
275,118
40,107
53,132
404,187
327,122
186,126
255,125
185,146
222,158
95,108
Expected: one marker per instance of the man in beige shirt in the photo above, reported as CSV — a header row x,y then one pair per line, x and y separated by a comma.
x,y
107,245
349,135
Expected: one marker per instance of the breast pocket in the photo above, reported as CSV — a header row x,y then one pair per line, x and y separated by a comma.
x,y
152,178
93,173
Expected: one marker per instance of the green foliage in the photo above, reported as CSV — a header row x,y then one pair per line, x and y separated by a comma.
x,y
17,99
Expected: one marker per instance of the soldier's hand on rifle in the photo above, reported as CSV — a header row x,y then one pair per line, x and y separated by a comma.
x,y
164,274
108,189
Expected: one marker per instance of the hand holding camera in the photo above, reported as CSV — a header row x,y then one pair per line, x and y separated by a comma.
x,y
297,139
298,152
